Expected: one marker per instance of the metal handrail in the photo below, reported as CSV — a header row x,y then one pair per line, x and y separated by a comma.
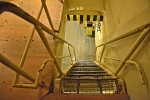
x,y
132,32
48,15
26,49
37,80
145,31
132,62
6,6
14,67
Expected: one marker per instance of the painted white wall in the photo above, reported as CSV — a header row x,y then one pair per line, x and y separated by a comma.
x,y
120,17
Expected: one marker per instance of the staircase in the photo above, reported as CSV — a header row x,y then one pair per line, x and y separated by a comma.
x,y
85,80
85,77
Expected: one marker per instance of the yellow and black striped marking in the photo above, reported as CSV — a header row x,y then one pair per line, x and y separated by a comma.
x,y
84,17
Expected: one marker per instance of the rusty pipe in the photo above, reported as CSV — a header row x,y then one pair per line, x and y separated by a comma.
x,y
132,62
139,70
133,49
6,6
36,83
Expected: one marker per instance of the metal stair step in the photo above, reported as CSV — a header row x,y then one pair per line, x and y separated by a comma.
x,y
103,74
87,77
68,96
87,71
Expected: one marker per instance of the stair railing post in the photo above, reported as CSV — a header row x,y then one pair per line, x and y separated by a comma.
x,y
102,54
26,49
133,49
74,53
70,54
15,68
95,56
45,41
48,15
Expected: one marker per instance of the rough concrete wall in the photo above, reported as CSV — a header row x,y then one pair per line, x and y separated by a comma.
x,y
120,17
14,34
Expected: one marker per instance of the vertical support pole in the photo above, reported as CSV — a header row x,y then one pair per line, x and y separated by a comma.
x,y
70,54
26,49
102,54
61,34
100,86
74,53
48,15
117,86
133,49
14,67
95,54
42,36
78,86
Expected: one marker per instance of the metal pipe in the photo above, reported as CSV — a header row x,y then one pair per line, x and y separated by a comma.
x,y
98,55
111,58
102,53
27,48
48,15
132,62
14,67
68,68
6,6
30,39
62,57
139,70
70,54
133,49
132,32
36,84
74,53
95,56
41,34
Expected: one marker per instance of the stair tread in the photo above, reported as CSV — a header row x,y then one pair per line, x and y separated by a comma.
x,y
88,74
85,67
67,96
89,71
89,78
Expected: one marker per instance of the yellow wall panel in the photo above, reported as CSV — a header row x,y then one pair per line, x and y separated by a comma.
x,y
78,17
91,18
71,17
89,30
98,18
84,17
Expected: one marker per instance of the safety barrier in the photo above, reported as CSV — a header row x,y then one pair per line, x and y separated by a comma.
x,y
145,32
6,6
